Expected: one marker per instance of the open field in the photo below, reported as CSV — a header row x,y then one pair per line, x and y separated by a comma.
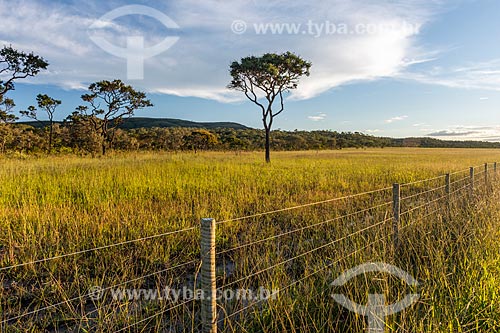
x,y
56,205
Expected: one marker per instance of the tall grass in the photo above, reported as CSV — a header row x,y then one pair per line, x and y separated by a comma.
x,y
56,205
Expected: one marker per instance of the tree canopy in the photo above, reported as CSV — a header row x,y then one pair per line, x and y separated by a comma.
x,y
15,65
47,104
264,79
110,102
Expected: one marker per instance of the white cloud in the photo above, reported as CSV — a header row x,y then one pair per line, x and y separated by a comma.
x,y
197,65
463,133
318,117
372,131
484,98
393,119
220,95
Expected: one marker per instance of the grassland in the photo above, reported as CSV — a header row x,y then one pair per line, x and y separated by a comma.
x,y
55,205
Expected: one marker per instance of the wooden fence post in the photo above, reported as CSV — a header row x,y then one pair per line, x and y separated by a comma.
x,y
396,211
471,176
208,282
447,189
486,176
495,167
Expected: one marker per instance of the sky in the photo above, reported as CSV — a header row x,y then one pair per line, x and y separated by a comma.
x,y
382,67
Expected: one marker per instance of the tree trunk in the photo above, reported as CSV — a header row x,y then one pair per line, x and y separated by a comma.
x,y
50,136
104,137
268,144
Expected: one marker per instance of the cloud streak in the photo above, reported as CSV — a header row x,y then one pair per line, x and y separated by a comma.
x,y
480,75
452,133
474,133
318,117
394,119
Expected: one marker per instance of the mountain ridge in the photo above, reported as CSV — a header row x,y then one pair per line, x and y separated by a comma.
x,y
146,122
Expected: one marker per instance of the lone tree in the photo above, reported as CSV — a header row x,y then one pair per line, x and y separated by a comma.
x,y
15,65
264,80
111,102
49,105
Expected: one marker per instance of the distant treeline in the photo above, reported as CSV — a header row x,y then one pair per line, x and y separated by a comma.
x,y
75,137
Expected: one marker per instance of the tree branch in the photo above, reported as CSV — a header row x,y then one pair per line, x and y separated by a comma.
x,y
282,105
252,98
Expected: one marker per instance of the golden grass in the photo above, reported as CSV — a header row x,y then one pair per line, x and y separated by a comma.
x,y
55,205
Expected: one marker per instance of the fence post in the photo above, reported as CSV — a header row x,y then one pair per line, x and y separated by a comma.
x,y
396,210
447,189
471,172
208,283
495,167
486,175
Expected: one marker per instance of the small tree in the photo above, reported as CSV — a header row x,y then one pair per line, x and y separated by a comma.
x,y
81,134
15,65
118,101
200,139
49,105
6,107
264,80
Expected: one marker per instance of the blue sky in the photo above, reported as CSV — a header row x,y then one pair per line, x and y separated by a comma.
x,y
401,68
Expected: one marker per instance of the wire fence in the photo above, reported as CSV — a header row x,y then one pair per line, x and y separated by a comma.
x,y
426,197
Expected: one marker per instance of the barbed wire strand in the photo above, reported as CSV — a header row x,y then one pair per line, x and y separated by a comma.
x,y
305,253
305,228
96,249
437,209
459,180
479,172
423,205
303,278
481,165
460,189
423,180
459,171
417,220
100,290
423,192
304,205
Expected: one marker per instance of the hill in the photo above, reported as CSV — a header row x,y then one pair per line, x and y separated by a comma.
x,y
143,122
